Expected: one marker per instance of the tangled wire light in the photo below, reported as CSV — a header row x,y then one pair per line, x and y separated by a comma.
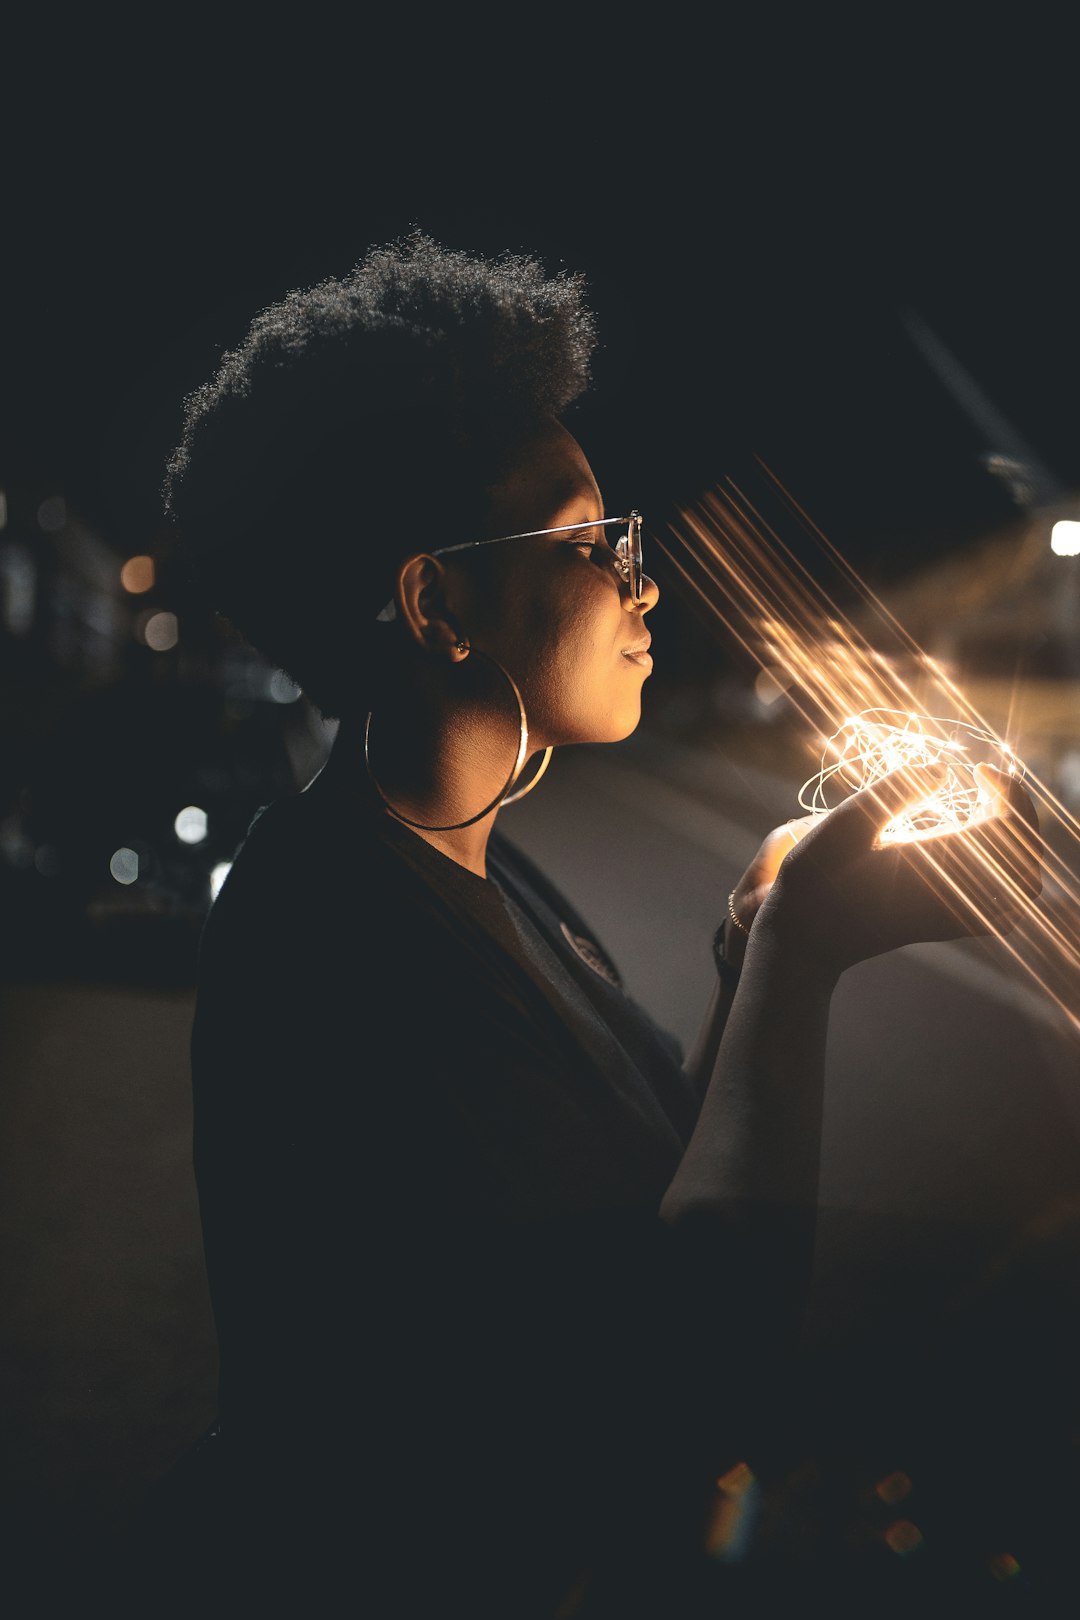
x,y
875,742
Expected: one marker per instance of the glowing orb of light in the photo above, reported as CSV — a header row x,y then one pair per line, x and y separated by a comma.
x,y
190,825
218,876
870,745
161,632
137,575
124,865
903,1537
1065,538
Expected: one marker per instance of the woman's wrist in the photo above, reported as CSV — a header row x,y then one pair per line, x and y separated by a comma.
x,y
799,946
727,958
729,943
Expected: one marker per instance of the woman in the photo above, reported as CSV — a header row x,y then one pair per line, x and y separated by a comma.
x,y
501,1283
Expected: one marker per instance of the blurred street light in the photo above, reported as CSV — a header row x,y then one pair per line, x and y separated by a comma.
x,y
1065,538
190,825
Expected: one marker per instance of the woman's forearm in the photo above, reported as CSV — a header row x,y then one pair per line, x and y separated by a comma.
x,y
758,1137
742,1205
729,949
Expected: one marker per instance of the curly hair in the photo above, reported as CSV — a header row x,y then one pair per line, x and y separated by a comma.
x,y
358,420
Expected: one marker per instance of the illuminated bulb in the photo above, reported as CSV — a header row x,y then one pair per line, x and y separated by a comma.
x,y
190,825
218,876
1065,538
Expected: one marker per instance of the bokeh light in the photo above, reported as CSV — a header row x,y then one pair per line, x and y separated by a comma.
x,y
52,514
894,1487
137,575
218,876
769,685
1065,538
282,688
190,825
903,1537
161,631
124,865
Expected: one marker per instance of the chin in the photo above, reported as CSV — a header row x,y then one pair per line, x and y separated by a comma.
x,y
611,725
622,726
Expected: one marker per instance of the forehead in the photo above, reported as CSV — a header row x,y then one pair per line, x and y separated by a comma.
x,y
547,481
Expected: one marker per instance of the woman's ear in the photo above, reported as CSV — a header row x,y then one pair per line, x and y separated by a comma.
x,y
421,598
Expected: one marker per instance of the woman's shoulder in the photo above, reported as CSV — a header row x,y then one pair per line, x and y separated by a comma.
x,y
328,870
297,872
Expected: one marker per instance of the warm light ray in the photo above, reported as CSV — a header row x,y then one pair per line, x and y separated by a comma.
x,y
871,718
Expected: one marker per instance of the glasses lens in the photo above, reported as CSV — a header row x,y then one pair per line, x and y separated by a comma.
x,y
633,556
628,551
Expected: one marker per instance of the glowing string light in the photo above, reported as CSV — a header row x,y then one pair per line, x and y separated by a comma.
x,y
877,741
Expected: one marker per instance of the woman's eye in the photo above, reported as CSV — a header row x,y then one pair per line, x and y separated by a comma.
x,y
595,550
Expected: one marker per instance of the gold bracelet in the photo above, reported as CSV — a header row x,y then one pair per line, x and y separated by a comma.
x,y
732,913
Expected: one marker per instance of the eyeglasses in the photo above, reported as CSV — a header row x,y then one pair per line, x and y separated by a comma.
x,y
625,552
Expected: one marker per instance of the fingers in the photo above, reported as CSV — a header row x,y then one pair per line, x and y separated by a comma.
x,y
1006,793
801,826
1010,835
774,850
993,867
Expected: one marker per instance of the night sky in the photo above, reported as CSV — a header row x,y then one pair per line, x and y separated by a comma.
x,y
753,226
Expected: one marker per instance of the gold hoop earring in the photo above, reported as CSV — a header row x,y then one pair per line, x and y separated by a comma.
x,y
504,795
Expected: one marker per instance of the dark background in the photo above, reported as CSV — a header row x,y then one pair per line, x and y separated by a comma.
x,y
754,207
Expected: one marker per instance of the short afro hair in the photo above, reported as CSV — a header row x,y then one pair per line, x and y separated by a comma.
x,y
359,420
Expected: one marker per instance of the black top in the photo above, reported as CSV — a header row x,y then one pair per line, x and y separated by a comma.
x,y
432,1133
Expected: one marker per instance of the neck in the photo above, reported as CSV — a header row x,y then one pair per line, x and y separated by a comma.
x,y
434,783
466,845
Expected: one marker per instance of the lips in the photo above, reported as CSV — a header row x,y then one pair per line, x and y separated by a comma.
x,y
640,654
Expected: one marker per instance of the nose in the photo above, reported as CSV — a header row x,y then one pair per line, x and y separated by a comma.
x,y
650,595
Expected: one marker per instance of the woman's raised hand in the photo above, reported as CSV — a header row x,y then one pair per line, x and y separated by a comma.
x,y
841,894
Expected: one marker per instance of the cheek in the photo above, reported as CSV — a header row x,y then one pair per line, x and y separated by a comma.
x,y
559,638
548,624
573,685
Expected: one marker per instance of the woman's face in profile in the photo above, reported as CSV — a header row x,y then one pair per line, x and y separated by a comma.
x,y
552,608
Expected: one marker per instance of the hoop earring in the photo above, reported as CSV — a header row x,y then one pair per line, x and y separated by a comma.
x,y
504,795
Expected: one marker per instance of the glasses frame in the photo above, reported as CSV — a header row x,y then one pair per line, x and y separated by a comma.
x,y
626,552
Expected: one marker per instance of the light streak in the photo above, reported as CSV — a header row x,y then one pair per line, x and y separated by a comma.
x,y
871,711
